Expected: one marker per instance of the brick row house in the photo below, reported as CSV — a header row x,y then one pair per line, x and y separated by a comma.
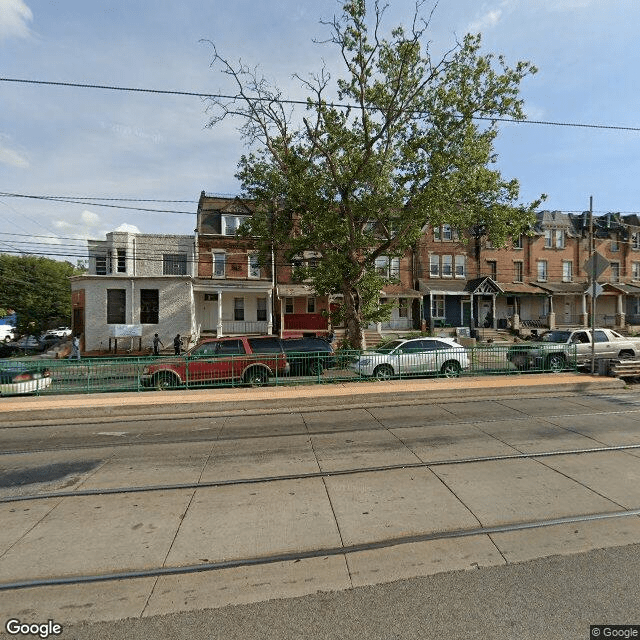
x,y
215,283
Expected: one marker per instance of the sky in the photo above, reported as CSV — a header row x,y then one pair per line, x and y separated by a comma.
x,y
100,146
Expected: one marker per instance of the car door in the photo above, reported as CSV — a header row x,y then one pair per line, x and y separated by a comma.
x,y
200,362
230,360
429,356
604,348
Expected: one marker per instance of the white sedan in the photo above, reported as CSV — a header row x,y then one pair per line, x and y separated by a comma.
x,y
416,357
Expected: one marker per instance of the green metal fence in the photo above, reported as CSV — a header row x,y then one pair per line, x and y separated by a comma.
x,y
91,375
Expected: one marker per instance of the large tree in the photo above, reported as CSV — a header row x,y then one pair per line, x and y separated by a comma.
x,y
400,141
38,290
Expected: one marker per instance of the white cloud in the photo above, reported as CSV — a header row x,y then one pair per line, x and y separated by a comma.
x,y
128,228
11,157
488,20
14,15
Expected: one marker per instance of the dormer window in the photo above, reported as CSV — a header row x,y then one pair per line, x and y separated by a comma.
x,y
231,224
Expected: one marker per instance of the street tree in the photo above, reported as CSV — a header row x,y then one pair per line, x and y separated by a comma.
x,y
400,141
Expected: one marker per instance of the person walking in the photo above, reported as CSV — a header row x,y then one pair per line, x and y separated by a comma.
x,y
156,343
177,344
75,348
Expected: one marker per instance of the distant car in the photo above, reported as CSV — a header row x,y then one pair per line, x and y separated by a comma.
x,y
7,333
18,378
309,356
413,358
28,343
60,332
252,360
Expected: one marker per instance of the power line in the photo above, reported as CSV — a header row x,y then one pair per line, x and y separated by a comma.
x,y
218,96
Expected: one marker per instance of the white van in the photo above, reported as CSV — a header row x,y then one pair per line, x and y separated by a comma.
x,y
7,333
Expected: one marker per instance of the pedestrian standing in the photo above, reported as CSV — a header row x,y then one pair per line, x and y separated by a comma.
x,y
75,348
156,343
177,344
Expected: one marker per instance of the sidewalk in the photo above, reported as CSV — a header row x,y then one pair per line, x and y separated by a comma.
x,y
317,397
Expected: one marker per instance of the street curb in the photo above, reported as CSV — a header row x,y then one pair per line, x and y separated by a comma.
x,y
305,398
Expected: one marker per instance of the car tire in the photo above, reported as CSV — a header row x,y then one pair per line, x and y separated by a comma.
x,y
451,369
164,381
383,372
556,362
315,368
256,377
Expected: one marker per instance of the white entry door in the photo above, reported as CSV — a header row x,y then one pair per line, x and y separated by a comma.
x,y
210,315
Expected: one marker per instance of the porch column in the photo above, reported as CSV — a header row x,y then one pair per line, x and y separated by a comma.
x,y
620,316
515,322
219,325
584,316
269,312
281,316
472,321
552,315
493,311
431,322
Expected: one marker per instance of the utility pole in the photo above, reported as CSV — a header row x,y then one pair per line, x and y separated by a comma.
x,y
592,247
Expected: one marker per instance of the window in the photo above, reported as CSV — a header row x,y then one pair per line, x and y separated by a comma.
x,y
600,336
567,271
116,306
230,224
394,268
548,243
436,234
288,305
174,264
615,272
518,268
434,266
542,270
493,268
635,270
122,261
261,309
219,264
230,347
388,267
437,307
460,267
447,233
254,265
311,305
635,240
403,307
101,265
238,309
149,306
615,245
446,266
517,242
559,239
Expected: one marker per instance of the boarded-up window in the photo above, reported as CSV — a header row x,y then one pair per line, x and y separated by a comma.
x,y
174,264
116,306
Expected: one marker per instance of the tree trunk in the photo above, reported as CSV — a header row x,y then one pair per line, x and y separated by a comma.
x,y
353,316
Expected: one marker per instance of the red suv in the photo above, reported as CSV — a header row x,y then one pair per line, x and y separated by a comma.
x,y
252,360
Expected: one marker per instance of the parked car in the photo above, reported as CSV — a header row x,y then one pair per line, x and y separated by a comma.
x,y
27,343
60,332
413,358
7,332
560,348
252,360
18,378
309,356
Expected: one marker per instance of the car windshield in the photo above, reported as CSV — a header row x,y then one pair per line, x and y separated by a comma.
x,y
389,346
556,336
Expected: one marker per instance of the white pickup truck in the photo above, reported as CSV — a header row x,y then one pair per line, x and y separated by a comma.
x,y
562,348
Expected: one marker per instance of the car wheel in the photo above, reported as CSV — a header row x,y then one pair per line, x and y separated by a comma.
x,y
164,381
7,338
450,369
556,362
383,372
315,368
256,377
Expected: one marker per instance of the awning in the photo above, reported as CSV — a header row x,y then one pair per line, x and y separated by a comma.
x,y
397,291
294,291
230,286
438,287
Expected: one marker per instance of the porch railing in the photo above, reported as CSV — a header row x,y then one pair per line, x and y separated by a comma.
x,y
242,327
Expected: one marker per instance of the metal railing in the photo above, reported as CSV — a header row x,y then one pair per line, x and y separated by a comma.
x,y
91,375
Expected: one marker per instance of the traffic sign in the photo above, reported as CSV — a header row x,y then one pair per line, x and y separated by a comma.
x,y
594,289
601,265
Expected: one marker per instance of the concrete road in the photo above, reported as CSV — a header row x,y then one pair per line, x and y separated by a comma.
x,y
435,486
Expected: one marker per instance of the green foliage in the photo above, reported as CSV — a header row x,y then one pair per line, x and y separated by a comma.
x,y
38,289
357,183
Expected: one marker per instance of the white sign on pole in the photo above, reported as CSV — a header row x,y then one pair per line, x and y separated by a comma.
x,y
594,289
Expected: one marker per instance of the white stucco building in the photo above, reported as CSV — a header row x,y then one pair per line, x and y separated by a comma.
x,y
136,285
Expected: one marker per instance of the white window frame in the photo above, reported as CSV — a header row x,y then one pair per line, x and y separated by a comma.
x,y
238,306
548,239
447,266
567,271
225,227
447,233
635,270
517,243
253,266
214,271
403,307
615,271
460,266
518,271
434,266
635,240
560,238
542,270
438,306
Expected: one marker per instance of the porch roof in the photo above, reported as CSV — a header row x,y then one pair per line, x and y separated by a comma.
x,y
398,291
629,289
448,287
294,290
241,286
564,288
520,287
